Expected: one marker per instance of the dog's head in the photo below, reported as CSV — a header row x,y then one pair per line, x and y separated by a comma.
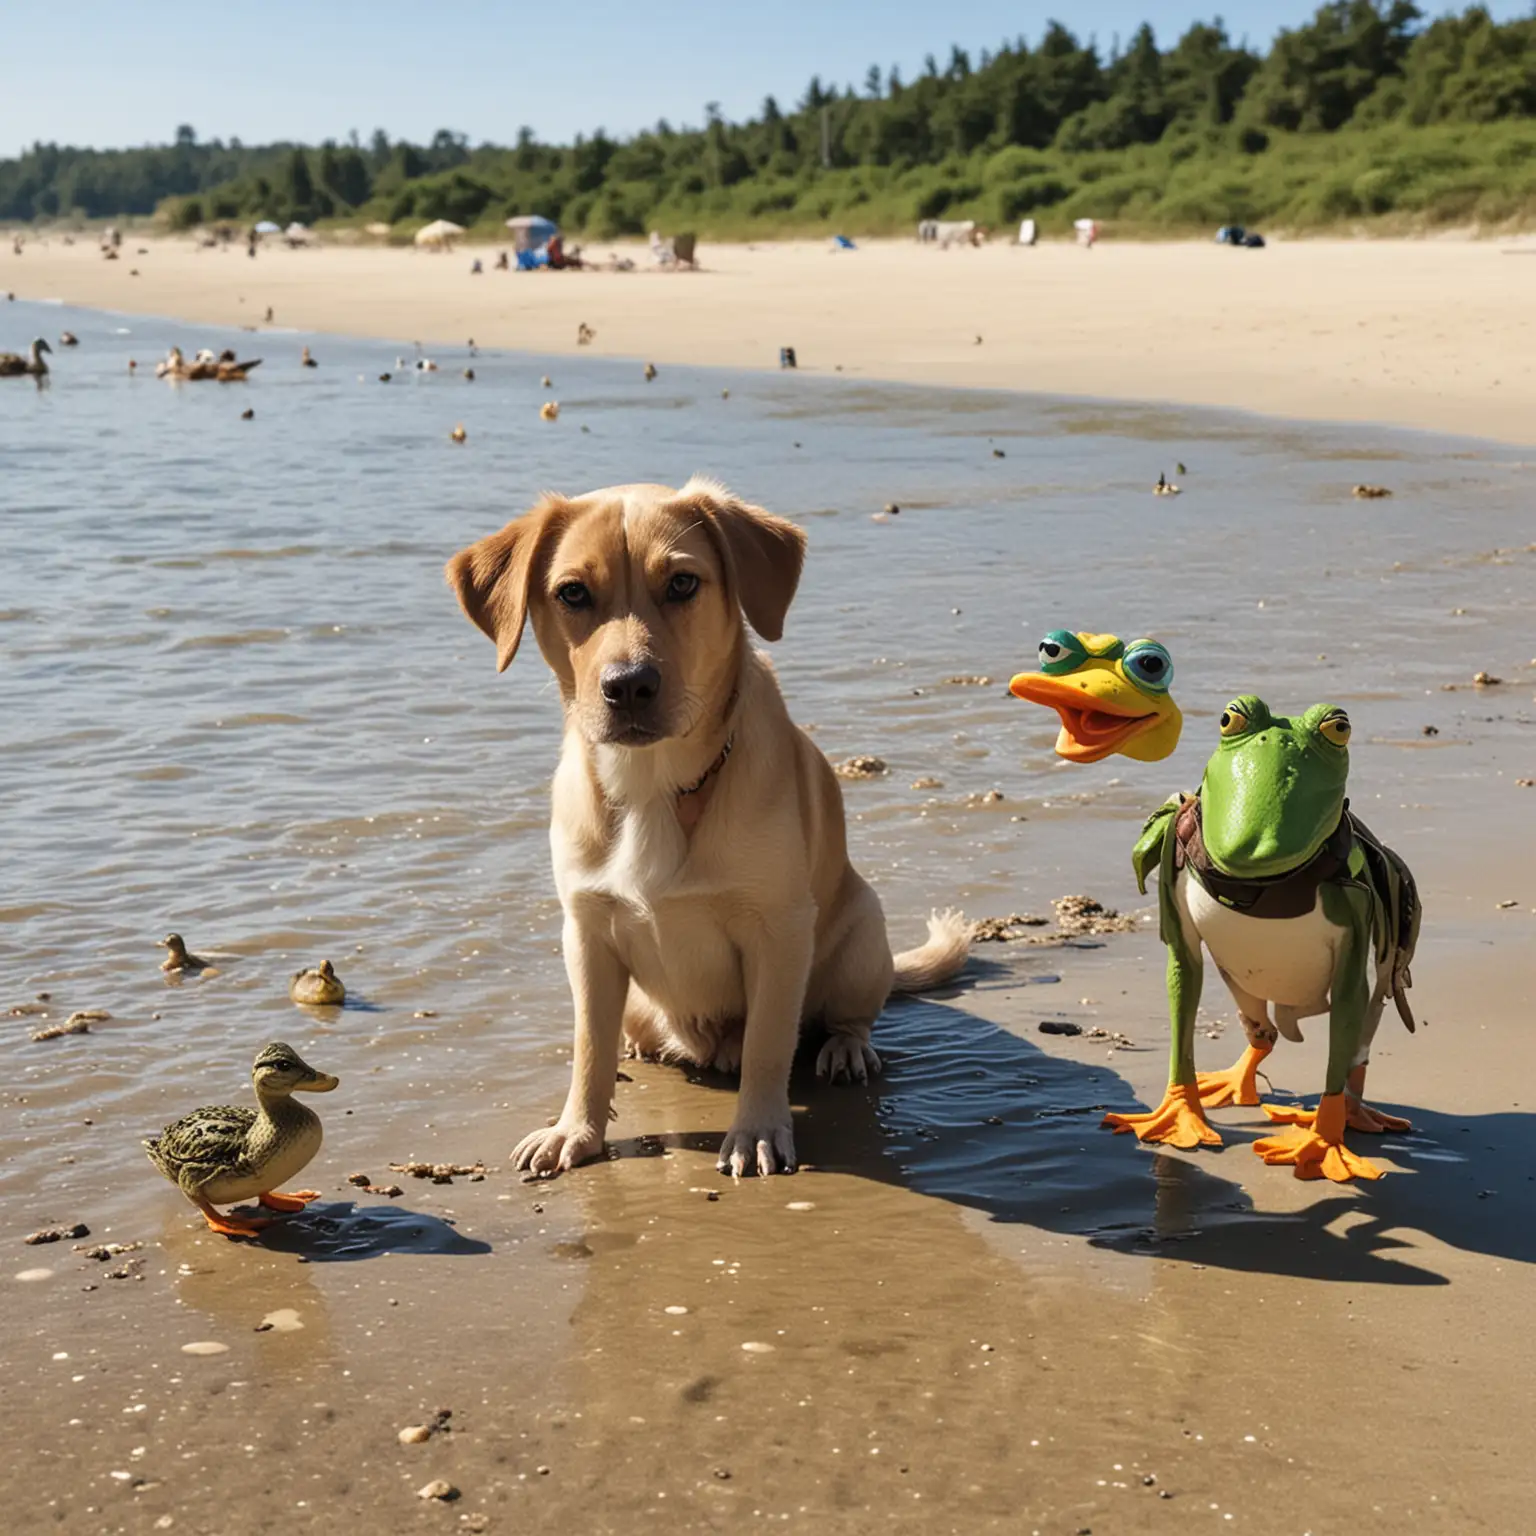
x,y
637,595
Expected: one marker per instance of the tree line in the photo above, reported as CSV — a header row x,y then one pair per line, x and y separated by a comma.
x,y
1022,128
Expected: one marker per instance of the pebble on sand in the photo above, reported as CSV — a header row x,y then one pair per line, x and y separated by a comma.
x,y
29,1275
927,782
438,1489
205,1347
675,1311
801,1205
753,1347
861,766
56,1234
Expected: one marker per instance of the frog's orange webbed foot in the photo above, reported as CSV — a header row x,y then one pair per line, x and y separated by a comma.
x,y
276,1200
1358,1116
1178,1121
1239,1084
232,1226
1314,1145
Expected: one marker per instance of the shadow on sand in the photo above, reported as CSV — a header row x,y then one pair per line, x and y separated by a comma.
x,y
972,1114
340,1231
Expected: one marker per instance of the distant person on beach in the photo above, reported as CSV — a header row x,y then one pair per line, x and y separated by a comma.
x,y
502,264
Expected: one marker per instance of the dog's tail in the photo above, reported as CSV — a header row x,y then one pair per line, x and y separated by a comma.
x,y
939,959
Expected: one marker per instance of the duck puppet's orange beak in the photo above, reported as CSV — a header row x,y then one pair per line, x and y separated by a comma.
x,y
1102,713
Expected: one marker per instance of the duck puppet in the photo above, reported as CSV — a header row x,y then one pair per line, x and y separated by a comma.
x,y
1302,909
1111,697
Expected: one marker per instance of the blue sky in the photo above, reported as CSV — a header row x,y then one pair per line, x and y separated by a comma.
x,y
83,72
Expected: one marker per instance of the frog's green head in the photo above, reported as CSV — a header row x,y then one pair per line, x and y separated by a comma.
x,y
1274,789
1110,696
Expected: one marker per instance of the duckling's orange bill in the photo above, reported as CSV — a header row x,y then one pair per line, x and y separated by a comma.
x,y
1093,725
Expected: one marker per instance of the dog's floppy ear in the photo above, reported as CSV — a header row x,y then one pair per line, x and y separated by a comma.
x,y
492,578
765,554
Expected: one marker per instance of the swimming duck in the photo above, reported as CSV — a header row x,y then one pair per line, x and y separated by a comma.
x,y
306,361
458,434
550,410
69,339
1164,487
1111,697
317,986
650,372
14,366
225,1153
547,382
180,958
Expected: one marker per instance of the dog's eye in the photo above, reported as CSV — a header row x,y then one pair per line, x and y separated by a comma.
x,y
573,595
682,587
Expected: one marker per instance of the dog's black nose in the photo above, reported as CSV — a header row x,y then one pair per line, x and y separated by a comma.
x,y
630,686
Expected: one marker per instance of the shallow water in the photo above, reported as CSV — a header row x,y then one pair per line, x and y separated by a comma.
x,y
240,702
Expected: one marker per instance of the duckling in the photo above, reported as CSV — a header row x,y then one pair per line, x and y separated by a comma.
x,y
458,434
317,986
306,361
69,339
550,410
226,1153
180,957
1164,487
383,378
650,372
546,382
425,365
14,366
469,373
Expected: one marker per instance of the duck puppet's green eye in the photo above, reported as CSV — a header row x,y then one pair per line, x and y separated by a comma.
x,y
1234,720
1060,652
1149,666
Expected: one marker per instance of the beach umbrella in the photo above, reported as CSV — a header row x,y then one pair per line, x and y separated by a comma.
x,y
438,232
532,230
267,227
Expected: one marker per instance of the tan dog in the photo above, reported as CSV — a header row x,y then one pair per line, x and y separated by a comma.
x,y
697,833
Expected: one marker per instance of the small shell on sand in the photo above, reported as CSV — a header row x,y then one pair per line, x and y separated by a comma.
x,y
414,1434
438,1489
801,1205
205,1347
861,766
284,1320
753,1347
675,1311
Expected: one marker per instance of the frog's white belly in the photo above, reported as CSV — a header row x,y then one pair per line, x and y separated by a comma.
x,y
1283,960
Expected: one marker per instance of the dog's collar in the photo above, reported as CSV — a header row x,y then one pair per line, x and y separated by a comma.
x,y
711,771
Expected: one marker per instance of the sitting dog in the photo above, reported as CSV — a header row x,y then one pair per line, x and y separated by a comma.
x,y
697,833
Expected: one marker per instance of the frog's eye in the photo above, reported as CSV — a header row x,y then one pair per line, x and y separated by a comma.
x,y
1149,666
1061,651
1233,721
1335,728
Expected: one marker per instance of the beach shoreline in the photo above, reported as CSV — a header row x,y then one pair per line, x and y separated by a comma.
x,y
1432,335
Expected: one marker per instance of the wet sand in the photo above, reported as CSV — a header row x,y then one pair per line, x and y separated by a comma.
x,y
1437,334
241,703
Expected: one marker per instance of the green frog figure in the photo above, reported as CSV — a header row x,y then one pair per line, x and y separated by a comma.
x,y
1301,908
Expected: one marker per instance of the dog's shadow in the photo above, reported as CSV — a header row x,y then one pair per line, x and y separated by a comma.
x,y
973,1114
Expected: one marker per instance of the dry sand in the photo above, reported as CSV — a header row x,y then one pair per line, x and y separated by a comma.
x,y
1432,334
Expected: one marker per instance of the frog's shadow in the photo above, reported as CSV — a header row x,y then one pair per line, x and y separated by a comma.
x,y
971,1113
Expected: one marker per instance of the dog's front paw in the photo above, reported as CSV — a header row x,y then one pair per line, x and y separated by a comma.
x,y
847,1056
762,1149
558,1147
